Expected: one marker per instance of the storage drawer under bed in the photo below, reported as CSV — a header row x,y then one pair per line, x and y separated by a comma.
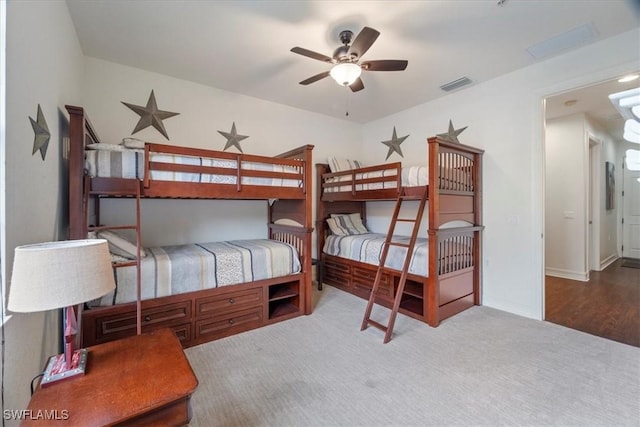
x,y
102,326
232,323
363,280
229,302
336,273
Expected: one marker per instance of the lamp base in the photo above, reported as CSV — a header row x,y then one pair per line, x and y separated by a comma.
x,y
57,369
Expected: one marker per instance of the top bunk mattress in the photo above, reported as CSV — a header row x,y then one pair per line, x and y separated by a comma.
x,y
455,171
130,164
410,176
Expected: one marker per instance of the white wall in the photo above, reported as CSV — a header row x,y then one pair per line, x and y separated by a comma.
x,y
505,117
565,201
272,129
44,66
608,249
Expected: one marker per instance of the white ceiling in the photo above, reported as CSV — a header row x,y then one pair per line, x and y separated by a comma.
x,y
244,46
594,102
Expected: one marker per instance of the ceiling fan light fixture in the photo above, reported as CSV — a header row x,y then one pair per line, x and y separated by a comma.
x,y
346,73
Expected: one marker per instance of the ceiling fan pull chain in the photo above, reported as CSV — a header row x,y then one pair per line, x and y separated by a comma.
x,y
346,103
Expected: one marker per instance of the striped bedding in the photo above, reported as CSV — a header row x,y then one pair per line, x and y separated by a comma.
x,y
171,270
129,164
411,176
450,177
368,247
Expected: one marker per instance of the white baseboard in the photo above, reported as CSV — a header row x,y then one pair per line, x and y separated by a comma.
x,y
567,274
510,307
608,261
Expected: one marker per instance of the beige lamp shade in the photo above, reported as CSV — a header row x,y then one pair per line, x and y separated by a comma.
x,y
52,275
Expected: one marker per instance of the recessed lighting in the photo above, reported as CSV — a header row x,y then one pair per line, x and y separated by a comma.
x,y
629,78
570,103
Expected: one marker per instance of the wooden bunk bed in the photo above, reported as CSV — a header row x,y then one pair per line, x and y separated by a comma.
x,y
452,279
283,181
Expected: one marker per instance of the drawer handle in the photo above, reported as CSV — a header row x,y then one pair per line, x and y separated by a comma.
x,y
231,321
147,318
231,300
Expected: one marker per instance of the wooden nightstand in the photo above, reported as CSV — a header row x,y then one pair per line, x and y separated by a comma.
x,y
142,380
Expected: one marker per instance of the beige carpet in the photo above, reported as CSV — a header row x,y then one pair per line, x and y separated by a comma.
x,y
481,367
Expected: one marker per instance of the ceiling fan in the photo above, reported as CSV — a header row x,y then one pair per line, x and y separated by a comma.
x,y
346,59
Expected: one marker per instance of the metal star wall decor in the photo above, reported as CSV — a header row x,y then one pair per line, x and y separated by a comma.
x,y
150,115
452,134
42,134
233,138
394,143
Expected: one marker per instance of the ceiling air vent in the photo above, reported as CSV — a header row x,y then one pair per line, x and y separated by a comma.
x,y
462,81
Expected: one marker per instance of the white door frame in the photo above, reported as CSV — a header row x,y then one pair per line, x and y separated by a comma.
x,y
627,174
3,180
592,189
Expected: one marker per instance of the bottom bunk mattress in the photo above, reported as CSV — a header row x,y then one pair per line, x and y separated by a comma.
x,y
171,270
367,248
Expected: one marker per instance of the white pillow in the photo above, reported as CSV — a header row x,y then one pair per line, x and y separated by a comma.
x,y
286,221
106,147
346,224
114,257
456,224
133,143
335,229
337,164
121,245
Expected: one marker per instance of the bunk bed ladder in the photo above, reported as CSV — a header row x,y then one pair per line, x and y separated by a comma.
x,y
134,193
366,321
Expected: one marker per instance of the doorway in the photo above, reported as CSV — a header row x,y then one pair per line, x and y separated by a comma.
x,y
583,239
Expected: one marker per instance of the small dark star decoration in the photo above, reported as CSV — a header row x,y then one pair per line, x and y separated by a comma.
x,y
42,134
233,138
452,134
150,115
394,143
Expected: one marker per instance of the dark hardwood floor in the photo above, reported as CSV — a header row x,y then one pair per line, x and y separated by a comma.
x,y
608,305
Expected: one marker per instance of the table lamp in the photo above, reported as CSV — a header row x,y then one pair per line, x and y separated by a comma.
x,y
61,274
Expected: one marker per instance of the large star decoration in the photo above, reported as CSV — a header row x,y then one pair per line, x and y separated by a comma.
x,y
42,134
394,143
150,115
233,138
452,134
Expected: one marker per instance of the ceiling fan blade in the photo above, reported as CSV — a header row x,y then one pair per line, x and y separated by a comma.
x,y
385,65
315,78
311,54
357,85
363,41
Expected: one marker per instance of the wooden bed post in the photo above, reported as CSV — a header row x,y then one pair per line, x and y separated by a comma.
x,y
477,247
308,223
320,212
76,173
432,298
